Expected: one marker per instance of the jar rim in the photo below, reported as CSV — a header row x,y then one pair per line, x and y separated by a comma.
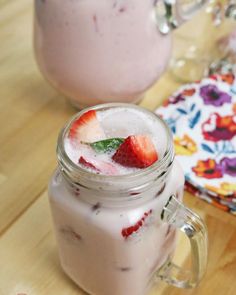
x,y
69,167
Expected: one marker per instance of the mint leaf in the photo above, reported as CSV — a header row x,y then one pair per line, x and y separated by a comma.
x,y
106,145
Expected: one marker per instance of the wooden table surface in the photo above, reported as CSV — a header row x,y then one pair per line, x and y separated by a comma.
x,y
31,115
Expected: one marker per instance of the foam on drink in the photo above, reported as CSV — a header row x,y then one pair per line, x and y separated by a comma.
x,y
117,122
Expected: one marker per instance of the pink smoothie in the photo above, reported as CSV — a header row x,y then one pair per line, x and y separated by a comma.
x,y
100,51
92,249
109,229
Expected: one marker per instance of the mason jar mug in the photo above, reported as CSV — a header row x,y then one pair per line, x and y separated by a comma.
x,y
117,234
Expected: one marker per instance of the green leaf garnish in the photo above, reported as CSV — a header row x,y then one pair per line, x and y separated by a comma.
x,y
106,145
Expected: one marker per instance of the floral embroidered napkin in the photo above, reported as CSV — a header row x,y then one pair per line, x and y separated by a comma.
x,y
202,117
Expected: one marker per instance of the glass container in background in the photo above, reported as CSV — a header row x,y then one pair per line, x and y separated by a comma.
x,y
106,50
226,44
196,43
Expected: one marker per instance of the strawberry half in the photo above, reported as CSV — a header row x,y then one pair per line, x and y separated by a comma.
x,y
86,128
97,166
136,151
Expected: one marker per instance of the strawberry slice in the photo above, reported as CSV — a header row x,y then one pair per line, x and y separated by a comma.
x,y
87,164
136,151
100,167
86,128
128,231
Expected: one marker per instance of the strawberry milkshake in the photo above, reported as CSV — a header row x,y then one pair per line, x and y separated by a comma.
x,y
100,51
116,174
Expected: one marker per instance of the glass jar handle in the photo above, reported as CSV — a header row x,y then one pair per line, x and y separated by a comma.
x,y
170,14
176,214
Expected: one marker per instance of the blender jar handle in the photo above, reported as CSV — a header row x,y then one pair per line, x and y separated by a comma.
x,y
170,14
177,215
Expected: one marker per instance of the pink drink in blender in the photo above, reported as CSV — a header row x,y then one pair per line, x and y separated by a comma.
x,y
100,51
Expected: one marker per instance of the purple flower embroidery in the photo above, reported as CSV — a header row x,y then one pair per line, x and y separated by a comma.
x,y
228,166
176,99
213,96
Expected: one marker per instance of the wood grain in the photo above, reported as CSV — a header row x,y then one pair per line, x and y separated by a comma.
x,y
31,115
